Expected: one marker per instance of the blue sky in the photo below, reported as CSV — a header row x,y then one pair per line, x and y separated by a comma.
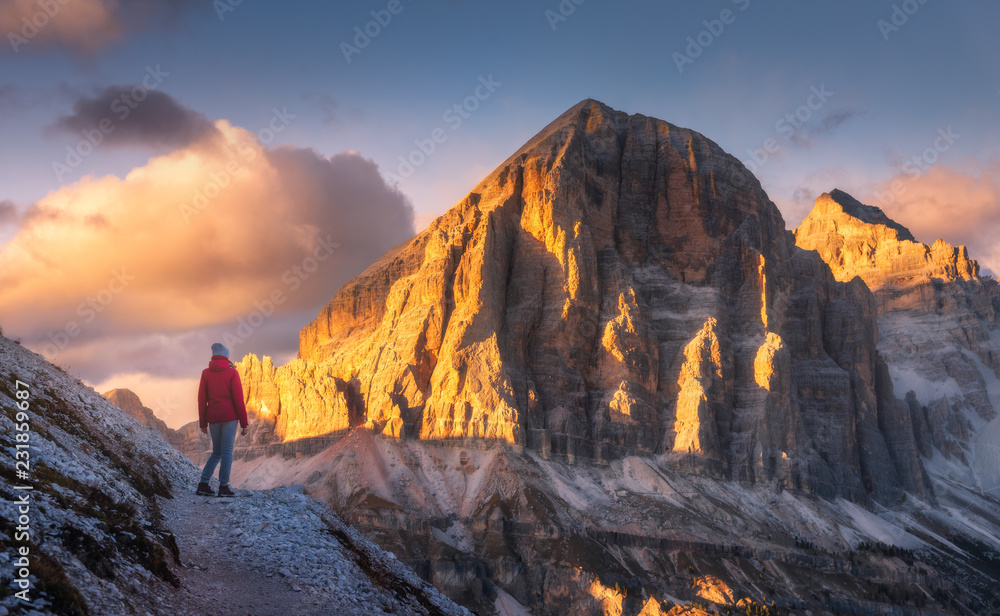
x,y
940,68
892,91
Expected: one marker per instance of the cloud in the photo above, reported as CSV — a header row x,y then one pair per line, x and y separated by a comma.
x,y
806,135
140,274
960,206
84,26
135,115
327,106
804,196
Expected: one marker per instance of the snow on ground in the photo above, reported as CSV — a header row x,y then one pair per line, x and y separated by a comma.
x,y
986,442
899,333
875,528
281,552
951,469
507,605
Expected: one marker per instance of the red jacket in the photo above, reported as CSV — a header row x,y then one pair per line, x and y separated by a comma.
x,y
220,394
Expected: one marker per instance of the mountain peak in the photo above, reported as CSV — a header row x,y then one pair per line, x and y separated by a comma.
x,y
188,440
123,398
860,240
868,214
586,108
579,114
587,105
600,295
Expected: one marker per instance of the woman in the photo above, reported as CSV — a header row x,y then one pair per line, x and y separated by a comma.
x,y
220,409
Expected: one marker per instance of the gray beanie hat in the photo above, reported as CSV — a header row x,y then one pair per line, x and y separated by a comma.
x,y
220,349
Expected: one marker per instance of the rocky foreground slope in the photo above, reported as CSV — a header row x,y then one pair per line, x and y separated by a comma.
x,y
609,382
111,525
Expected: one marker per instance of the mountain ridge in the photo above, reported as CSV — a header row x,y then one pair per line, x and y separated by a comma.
x,y
939,330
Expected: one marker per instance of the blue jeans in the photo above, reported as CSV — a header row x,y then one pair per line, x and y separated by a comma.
x,y
223,439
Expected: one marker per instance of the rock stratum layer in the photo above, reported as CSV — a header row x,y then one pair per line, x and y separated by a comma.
x,y
619,286
938,327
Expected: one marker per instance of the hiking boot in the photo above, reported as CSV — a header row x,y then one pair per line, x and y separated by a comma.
x,y
204,490
225,491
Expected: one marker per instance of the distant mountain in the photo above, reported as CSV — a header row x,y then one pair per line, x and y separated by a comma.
x,y
188,440
128,401
938,326
608,382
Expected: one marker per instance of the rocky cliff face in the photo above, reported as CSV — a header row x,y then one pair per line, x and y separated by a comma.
x,y
608,382
619,286
261,439
938,326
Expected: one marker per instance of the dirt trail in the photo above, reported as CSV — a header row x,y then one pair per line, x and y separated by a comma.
x,y
213,580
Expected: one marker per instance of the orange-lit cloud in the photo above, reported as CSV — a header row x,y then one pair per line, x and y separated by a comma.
x,y
956,205
224,237
79,25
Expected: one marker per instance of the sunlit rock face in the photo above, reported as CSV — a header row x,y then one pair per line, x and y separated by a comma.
x,y
128,401
296,401
860,240
937,321
618,286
